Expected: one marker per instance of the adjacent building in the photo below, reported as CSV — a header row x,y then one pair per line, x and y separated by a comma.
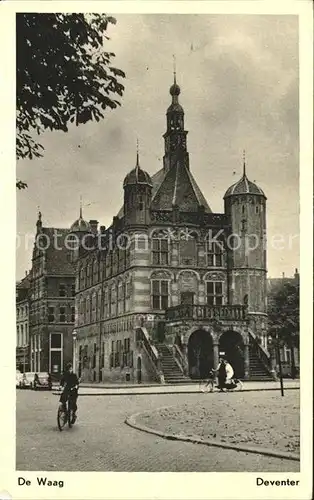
x,y
22,324
289,353
51,298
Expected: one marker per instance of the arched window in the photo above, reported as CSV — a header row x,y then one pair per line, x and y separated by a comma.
x,y
140,202
113,300
214,251
115,261
160,247
160,294
95,271
127,295
94,306
81,283
121,301
89,274
214,293
98,306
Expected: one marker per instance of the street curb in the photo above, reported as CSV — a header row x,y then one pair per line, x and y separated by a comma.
x,y
136,386
116,393
131,421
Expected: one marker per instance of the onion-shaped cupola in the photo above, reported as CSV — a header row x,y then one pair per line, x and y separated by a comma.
x,y
80,225
137,176
137,195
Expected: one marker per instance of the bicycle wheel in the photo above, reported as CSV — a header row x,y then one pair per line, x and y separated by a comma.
x,y
239,386
61,418
207,387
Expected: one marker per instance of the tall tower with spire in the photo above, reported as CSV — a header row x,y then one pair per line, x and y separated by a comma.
x,y
78,230
175,136
245,204
137,187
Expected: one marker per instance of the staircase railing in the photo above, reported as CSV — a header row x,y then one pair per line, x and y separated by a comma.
x,y
142,337
260,352
180,359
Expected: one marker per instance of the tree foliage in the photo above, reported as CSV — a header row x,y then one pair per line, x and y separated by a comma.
x,y
284,312
63,75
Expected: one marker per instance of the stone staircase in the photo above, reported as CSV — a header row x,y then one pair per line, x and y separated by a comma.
x,y
169,366
257,369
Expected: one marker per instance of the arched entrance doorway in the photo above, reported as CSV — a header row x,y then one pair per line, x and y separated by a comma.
x,y
231,343
200,354
139,370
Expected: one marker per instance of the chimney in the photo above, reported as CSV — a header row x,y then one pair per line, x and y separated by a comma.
x,y
93,225
102,229
283,276
25,273
296,274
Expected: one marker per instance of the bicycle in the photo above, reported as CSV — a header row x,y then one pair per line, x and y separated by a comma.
x,y
208,384
66,416
235,384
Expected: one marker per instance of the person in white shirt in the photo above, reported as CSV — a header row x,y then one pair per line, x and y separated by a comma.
x,y
229,372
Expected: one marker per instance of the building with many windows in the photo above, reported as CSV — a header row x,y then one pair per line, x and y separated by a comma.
x,y
170,285
22,324
51,299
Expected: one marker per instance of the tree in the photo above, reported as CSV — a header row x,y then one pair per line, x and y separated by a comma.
x,y
284,316
63,75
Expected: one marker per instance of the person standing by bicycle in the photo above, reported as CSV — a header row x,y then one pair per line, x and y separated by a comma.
x,y
229,372
222,374
70,383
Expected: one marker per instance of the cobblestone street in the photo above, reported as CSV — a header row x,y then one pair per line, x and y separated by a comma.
x,y
101,441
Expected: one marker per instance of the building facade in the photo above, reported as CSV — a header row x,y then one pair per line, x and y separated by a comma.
x,y
289,352
22,324
52,307
170,285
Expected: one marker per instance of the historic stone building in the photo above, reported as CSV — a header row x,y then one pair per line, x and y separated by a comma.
x,y
22,324
170,284
52,308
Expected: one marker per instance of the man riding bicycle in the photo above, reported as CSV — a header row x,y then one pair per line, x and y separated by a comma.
x,y
70,383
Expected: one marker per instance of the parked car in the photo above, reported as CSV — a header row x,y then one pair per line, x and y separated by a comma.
x,y
28,380
19,378
42,380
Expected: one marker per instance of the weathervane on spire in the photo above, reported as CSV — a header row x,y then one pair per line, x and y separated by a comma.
x,y
244,164
174,68
137,153
81,205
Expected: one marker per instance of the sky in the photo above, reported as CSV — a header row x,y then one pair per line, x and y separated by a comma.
x,y
239,89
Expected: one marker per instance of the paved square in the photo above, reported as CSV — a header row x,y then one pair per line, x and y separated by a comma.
x,y
101,441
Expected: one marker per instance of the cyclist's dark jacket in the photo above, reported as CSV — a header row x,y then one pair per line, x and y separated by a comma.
x,y
69,379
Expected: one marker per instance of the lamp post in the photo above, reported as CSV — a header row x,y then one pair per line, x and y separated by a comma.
x,y
74,335
24,360
274,344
